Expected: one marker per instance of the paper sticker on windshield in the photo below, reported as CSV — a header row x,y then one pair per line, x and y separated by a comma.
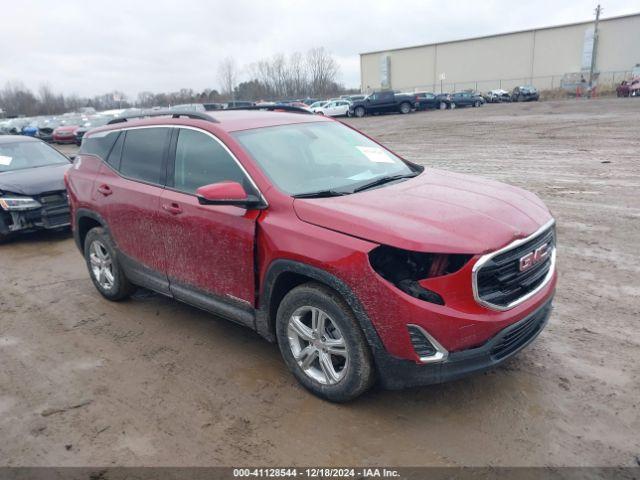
x,y
5,160
376,154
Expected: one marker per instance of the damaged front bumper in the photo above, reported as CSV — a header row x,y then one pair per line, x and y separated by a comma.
x,y
396,373
53,213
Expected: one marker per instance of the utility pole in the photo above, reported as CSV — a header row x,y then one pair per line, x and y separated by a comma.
x,y
594,50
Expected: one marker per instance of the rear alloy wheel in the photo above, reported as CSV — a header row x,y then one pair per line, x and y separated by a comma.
x,y
359,112
405,108
322,344
102,262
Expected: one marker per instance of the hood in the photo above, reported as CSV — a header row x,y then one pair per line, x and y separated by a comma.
x,y
33,181
436,212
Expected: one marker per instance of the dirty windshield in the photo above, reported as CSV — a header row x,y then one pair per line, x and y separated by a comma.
x,y
324,156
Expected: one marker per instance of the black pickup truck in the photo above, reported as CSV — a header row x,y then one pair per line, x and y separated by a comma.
x,y
382,102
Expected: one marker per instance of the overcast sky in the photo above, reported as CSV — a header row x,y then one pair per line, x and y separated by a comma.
x,y
90,47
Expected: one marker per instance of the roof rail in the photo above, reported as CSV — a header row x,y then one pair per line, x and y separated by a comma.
x,y
275,108
167,113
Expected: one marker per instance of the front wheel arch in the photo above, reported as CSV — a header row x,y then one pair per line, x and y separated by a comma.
x,y
266,323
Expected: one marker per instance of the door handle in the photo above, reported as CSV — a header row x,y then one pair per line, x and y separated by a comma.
x,y
105,190
173,208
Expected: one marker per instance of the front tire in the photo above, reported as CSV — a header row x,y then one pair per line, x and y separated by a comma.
x,y
322,343
359,112
104,269
405,108
476,104
442,106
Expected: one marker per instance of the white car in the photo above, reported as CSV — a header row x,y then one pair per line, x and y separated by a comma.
x,y
319,104
334,108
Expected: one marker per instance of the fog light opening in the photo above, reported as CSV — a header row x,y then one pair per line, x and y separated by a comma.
x,y
425,346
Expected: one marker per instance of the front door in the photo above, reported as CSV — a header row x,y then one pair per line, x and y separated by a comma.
x,y
209,248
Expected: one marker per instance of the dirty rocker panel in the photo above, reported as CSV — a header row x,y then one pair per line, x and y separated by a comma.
x,y
146,277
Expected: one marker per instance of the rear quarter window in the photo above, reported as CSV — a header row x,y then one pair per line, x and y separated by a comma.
x,y
99,144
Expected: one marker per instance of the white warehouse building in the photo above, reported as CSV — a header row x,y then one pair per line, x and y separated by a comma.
x,y
544,57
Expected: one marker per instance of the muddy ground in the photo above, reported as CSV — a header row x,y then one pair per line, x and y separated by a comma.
x,y
153,382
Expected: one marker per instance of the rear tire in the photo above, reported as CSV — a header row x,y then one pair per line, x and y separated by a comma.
x,y
322,343
105,271
359,112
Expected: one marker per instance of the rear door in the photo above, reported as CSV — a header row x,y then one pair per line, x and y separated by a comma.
x,y
209,248
127,194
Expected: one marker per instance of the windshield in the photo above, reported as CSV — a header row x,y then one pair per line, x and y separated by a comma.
x,y
311,157
21,155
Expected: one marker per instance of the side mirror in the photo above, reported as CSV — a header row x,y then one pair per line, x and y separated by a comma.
x,y
227,193
72,158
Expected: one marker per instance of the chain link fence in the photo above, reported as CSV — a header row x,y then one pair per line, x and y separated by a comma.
x,y
604,81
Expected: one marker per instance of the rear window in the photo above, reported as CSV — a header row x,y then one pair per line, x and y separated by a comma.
x,y
99,144
143,154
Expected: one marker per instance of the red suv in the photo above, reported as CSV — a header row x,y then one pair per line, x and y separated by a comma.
x,y
363,266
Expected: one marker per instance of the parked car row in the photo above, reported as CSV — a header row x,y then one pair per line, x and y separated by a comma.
x,y
56,129
523,93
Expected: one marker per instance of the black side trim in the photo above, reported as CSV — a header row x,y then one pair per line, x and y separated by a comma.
x,y
85,213
265,324
142,275
227,308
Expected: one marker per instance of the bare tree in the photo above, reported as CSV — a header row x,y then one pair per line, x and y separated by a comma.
x,y
228,76
323,71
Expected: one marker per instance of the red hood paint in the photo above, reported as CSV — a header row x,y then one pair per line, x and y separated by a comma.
x,y
437,212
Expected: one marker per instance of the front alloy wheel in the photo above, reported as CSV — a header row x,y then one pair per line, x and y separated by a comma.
x,y
317,344
322,343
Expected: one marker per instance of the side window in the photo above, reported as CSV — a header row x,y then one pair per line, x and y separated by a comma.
x,y
99,144
143,154
201,160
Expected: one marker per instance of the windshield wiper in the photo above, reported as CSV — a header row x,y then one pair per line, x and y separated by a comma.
x,y
383,180
321,194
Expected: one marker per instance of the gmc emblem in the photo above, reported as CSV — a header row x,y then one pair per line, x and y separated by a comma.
x,y
532,258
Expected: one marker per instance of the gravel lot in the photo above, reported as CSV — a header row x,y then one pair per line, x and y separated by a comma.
x,y
154,382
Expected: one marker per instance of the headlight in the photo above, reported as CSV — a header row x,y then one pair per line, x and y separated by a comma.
x,y
18,203
405,269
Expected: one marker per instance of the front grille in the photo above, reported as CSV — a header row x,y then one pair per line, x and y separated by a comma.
x,y
515,336
55,209
500,282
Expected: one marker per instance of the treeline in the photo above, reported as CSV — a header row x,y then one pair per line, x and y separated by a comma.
x,y
312,74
